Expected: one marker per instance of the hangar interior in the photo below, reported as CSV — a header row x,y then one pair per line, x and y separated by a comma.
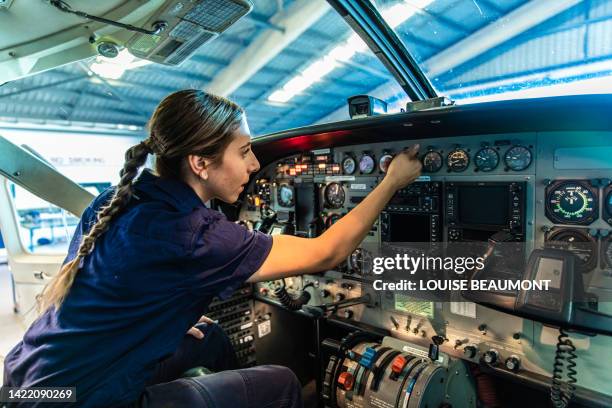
x,y
516,154
507,47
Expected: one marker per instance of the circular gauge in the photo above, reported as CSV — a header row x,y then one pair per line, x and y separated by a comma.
x,y
486,159
284,194
607,252
360,262
334,195
348,165
571,202
518,158
366,164
432,161
458,160
579,243
608,206
384,162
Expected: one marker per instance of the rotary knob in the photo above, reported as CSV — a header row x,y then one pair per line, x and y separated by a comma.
x,y
339,297
346,380
324,293
490,357
453,235
513,363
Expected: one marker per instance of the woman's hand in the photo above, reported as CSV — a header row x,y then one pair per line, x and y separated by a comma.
x,y
405,168
197,333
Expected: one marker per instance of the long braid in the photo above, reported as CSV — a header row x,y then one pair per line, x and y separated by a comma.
x,y
186,122
135,157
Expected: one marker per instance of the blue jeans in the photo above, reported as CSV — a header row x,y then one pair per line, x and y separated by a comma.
x,y
256,387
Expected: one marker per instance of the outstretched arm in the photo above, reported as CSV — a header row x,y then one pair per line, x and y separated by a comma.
x,y
295,256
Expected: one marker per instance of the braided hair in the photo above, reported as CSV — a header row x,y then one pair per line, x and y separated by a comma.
x,y
185,122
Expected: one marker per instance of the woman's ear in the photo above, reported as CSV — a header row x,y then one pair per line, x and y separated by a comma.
x,y
199,166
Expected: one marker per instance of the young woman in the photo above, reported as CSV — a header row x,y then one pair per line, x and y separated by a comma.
x,y
147,258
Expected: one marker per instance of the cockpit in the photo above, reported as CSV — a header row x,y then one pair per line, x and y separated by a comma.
x,y
487,282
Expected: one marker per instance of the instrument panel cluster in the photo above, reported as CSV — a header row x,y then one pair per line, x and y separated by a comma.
x,y
315,189
468,192
580,204
487,158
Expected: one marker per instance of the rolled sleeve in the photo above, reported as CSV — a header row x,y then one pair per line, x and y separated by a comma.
x,y
226,254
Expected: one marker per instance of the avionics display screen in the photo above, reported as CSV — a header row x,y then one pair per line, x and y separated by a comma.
x,y
412,305
305,205
409,227
483,205
411,201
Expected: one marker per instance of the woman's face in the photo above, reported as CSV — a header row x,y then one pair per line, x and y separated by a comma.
x,y
228,179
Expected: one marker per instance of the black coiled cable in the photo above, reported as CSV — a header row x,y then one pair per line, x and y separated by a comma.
x,y
289,301
562,391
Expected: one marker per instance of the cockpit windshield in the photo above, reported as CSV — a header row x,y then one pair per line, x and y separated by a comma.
x,y
293,63
483,50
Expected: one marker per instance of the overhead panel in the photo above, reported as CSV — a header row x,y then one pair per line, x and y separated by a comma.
x,y
190,25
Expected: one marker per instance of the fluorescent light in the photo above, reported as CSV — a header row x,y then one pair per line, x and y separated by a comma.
x,y
356,43
342,53
280,96
418,4
316,71
114,68
297,84
320,68
397,14
599,68
594,67
108,71
599,85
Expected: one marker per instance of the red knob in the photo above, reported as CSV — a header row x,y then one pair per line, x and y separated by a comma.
x,y
398,364
346,380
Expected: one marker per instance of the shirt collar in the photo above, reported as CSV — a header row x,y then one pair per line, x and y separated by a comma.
x,y
174,192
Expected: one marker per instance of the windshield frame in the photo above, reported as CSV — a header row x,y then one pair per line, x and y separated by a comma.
x,y
363,17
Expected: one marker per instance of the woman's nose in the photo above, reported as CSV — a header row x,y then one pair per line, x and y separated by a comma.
x,y
255,165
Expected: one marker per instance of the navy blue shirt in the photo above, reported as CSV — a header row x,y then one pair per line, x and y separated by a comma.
x,y
148,280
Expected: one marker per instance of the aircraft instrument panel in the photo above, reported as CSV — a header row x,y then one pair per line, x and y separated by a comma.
x,y
520,188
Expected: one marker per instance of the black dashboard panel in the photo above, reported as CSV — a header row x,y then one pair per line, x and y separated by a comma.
x,y
568,113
